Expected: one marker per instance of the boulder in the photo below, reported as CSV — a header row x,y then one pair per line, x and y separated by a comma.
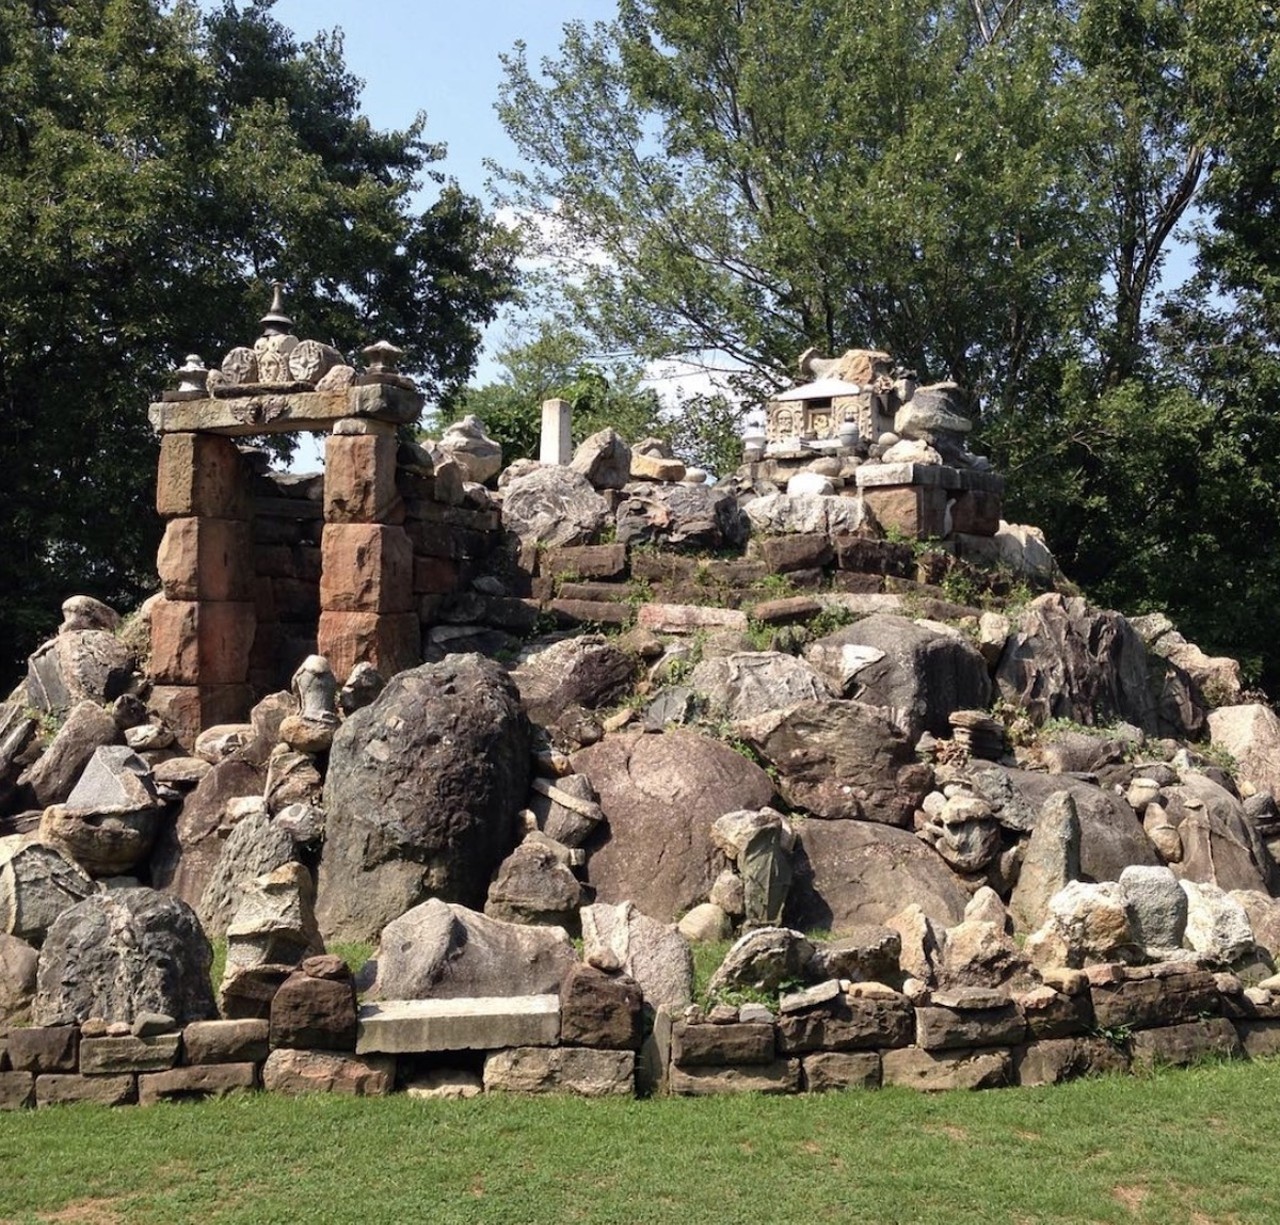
x,y
1051,861
839,759
760,844
655,468
37,884
1217,677
273,923
121,953
1069,661
706,923
52,776
922,672
567,810
585,671
83,612
1263,912
868,954
534,884
255,846
685,516
553,506
1086,924
1156,906
1220,845
466,443
764,960
748,683
561,1069
1251,734
660,795
654,954
18,962
422,792
850,873
439,950
90,665
976,953
604,459
922,943
1217,924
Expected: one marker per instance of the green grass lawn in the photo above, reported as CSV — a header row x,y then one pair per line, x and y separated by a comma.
x,y
1179,1146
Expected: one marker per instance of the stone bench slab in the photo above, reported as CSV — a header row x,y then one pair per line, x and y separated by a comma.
x,y
402,1027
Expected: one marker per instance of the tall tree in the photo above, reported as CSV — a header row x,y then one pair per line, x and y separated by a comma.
x,y
157,171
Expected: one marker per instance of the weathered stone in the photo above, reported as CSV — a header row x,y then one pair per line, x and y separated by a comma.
x,y
246,992
37,884
234,1041
701,1045
387,642
297,1072
1220,846
17,980
1259,1039
1051,862
1156,906
939,1028
471,1023
935,1071
44,1048
749,683
689,618
445,1084
824,1071
274,920
466,444
1054,1060
553,506
123,952
201,642
359,478
1186,1043
1054,1014
976,953
50,779
965,832
855,872
1084,924
421,794
196,1082
655,468
567,810
782,1076
600,1010
867,953
682,516
532,885
848,1023
588,670
255,846
68,1089
17,1091
1141,1000
1217,924
111,1056
921,672
660,796
439,950
200,474
1251,734
780,514
654,954
366,568
206,559
78,666
763,960
264,409
314,1013
561,1069
604,459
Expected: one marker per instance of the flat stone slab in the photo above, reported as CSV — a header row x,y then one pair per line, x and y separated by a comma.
x,y
689,618
273,412
875,476
403,1027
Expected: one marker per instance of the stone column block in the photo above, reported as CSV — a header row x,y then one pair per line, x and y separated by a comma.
x,y
359,478
189,709
206,559
390,643
366,568
977,512
201,474
917,511
201,643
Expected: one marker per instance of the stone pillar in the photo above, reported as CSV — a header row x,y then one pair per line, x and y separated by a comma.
x,y
202,627
557,442
367,612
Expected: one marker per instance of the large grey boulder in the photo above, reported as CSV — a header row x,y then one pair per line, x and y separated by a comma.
x,y
422,794
686,516
654,954
660,795
748,683
439,950
52,776
1156,905
921,672
1050,863
466,443
255,846
763,960
1086,924
553,506
853,873
1218,925
37,884
1220,845
604,459
121,953
1069,661
839,759
80,665
589,670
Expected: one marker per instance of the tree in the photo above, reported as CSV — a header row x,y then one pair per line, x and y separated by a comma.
x,y
157,171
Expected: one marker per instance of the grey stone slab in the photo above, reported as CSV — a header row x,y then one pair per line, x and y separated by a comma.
x,y
482,1024
112,1056
273,412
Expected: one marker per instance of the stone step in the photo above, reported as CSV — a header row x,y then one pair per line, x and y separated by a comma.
x,y
401,1027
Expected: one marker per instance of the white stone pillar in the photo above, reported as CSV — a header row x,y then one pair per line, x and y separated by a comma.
x,y
557,443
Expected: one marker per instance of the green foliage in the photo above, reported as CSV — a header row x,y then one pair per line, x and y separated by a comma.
x,y
158,169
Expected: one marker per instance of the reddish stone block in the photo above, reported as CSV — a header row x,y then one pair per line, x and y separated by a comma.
x,y
976,513
366,567
914,510
201,474
205,643
389,643
189,709
206,559
44,1048
360,478
196,1081
314,1014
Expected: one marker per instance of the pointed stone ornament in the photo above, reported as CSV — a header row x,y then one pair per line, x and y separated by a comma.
x,y
275,322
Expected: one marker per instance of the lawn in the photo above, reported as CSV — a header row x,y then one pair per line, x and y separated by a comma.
x,y
1178,1146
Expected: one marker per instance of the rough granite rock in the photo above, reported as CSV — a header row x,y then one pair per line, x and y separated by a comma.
x,y
1050,863
684,516
51,778
534,885
255,846
921,672
748,683
439,950
604,459
553,506
38,883
660,795
18,962
588,671
654,954
1220,845
77,666
422,793
1251,734
1156,906
763,960
121,953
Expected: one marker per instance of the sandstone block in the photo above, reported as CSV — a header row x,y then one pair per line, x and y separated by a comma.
x,y
196,1081
366,567
600,1010
206,559
1053,1014
594,561
689,618
781,1076
297,1072
201,474
561,1069
44,1048
848,1023
942,1029
1142,1000
917,511
1188,1042
827,1070
390,643
359,478
976,512
66,1089
17,1090
933,1071
414,1026
699,1045
803,551
112,1056
1054,1060
243,1041
203,643
314,1013
189,709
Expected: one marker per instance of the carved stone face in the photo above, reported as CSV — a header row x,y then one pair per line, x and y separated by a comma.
x,y
965,833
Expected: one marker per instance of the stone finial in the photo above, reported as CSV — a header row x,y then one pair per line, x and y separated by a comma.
x,y
275,322
382,357
192,375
